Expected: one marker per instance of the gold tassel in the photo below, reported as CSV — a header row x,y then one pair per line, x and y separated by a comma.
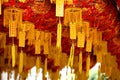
x,y
59,8
72,30
45,66
80,62
99,72
59,35
57,55
13,55
21,39
21,62
87,65
71,57
37,63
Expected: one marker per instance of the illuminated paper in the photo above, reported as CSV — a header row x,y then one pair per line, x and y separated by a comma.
x,y
72,30
59,8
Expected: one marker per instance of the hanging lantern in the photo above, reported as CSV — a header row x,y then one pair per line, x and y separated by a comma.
x,y
73,15
30,31
12,17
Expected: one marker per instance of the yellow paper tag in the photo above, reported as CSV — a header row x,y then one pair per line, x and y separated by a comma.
x,y
59,8
37,47
72,30
89,45
21,39
81,39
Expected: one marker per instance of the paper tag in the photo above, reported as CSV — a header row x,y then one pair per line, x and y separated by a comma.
x,y
37,47
81,39
72,30
59,8
21,39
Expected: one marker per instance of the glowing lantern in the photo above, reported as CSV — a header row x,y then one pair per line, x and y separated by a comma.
x,y
12,19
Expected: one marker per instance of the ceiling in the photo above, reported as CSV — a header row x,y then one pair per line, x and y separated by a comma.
x,y
103,14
